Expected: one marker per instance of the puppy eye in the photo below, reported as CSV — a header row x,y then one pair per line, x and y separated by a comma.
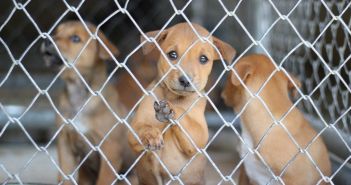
x,y
203,59
173,55
75,38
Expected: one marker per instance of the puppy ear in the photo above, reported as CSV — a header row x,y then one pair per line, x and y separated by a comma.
x,y
103,54
149,46
291,87
244,70
226,50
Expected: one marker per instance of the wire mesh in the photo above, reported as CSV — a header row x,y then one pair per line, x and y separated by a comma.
x,y
315,36
326,26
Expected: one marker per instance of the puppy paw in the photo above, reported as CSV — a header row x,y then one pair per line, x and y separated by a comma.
x,y
152,139
163,111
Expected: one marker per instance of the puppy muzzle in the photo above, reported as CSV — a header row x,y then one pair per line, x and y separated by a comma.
x,y
183,86
50,55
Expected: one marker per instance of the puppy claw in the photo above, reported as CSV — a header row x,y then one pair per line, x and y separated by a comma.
x,y
154,146
163,111
157,106
152,139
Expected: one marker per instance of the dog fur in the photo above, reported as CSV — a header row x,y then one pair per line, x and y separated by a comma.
x,y
173,146
276,147
144,70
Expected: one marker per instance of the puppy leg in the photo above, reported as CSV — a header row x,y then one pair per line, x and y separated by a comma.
x,y
150,136
198,132
86,177
112,151
148,170
243,178
133,180
66,159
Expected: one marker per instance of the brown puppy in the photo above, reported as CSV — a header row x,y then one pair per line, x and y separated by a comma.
x,y
276,147
144,70
177,94
94,119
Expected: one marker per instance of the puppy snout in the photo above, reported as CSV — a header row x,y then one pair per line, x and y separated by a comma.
x,y
50,55
184,81
46,47
47,42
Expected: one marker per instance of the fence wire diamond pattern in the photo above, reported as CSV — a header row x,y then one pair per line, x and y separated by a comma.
x,y
306,46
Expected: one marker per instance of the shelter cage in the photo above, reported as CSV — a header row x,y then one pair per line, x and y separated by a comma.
x,y
310,39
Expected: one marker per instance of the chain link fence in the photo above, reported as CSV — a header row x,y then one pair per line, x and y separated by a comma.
x,y
311,39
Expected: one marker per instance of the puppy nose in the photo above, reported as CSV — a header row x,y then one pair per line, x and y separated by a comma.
x,y
47,42
184,82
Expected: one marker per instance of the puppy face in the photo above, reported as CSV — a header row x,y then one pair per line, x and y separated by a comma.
x,y
253,71
196,62
70,38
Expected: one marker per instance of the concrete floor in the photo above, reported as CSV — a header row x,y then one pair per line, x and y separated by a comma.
x,y
14,157
39,170
42,170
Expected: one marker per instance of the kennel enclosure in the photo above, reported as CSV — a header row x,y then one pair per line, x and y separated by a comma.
x,y
310,39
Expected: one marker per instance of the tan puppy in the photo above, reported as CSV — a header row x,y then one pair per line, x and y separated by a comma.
x,y
177,94
276,148
95,119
